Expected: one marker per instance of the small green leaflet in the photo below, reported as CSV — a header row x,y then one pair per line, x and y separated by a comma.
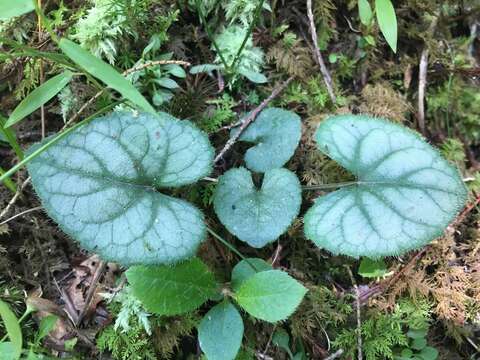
x,y
99,184
14,332
270,295
172,290
372,268
47,324
387,21
365,12
253,76
12,8
39,97
276,133
257,217
246,269
104,72
220,332
405,195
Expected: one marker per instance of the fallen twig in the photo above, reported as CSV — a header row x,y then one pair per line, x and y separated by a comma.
x,y
318,55
251,117
335,355
422,80
14,198
359,320
91,290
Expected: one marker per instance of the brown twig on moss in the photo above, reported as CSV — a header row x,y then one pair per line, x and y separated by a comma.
x,y
251,117
318,55
358,330
422,79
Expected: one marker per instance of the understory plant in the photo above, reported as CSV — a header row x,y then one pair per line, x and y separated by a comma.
x,y
112,183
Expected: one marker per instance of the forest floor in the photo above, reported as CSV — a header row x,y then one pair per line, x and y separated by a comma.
x,y
430,84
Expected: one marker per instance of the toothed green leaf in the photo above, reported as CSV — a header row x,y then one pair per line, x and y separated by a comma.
x,y
246,269
270,295
257,217
220,332
405,196
172,290
276,133
98,184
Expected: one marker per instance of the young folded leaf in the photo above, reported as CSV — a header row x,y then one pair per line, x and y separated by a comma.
x,y
270,295
172,290
220,332
257,217
405,196
276,133
39,97
98,183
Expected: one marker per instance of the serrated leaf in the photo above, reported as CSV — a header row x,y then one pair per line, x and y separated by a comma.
x,y
270,295
220,332
10,9
372,268
254,76
204,68
38,97
276,133
404,197
104,72
172,290
246,269
13,330
98,183
257,217
387,21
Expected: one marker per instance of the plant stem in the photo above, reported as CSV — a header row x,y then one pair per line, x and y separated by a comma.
x,y
330,186
258,11
231,247
209,34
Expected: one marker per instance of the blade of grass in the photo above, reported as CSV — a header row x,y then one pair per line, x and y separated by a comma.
x,y
8,182
60,136
10,136
39,97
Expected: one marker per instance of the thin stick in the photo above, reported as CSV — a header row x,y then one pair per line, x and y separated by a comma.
x,y
422,80
251,117
91,290
14,198
323,69
20,214
359,320
335,355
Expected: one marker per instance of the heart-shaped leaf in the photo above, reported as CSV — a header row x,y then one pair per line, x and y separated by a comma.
x,y
172,290
98,183
220,332
405,196
276,133
257,217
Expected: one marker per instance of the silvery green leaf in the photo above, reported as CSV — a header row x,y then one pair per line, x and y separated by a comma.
x,y
405,196
220,332
276,133
257,216
100,183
